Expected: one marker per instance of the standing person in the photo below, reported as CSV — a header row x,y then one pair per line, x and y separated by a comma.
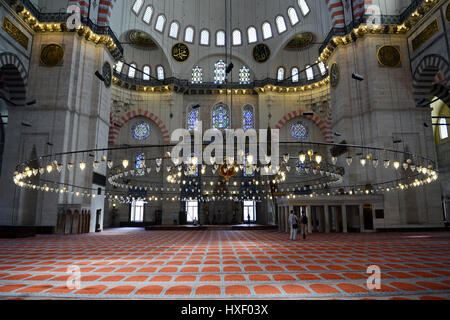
x,y
304,225
293,223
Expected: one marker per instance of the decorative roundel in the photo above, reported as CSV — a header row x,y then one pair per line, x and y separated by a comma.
x,y
52,55
180,52
107,74
141,130
299,131
261,53
389,56
334,75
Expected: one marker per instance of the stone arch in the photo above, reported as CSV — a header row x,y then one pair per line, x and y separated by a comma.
x,y
117,125
324,126
432,67
14,77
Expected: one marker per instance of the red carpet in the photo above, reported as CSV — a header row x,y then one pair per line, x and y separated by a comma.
x,y
137,264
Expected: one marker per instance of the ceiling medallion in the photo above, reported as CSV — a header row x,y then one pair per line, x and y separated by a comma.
x,y
300,41
389,56
334,75
142,39
180,52
107,74
261,53
52,55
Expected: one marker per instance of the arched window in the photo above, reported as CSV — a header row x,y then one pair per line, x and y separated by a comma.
x,y
221,117
174,29
280,74
148,15
267,30
244,75
220,38
160,72
237,38
160,23
137,6
281,24
323,68
132,70
192,116
141,131
293,16
309,73
303,7
294,74
140,164
119,66
248,117
197,75
443,130
220,73
252,35
189,34
204,37
146,74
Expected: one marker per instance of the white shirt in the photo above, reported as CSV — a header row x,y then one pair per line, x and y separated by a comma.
x,y
292,219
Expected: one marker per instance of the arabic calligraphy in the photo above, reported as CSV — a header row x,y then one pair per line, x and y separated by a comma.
x,y
180,52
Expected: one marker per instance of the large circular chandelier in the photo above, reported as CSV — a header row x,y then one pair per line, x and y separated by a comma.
x,y
311,171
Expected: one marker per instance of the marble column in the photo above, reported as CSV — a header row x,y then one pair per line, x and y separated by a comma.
x,y
344,218
327,219
280,222
361,217
335,219
286,218
308,215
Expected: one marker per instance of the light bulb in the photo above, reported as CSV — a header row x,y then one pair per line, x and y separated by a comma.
x,y
29,172
318,159
396,165
69,166
387,163
250,159
375,163
363,161
110,164
82,165
59,168
302,157
349,160
125,163
49,168
96,164
334,160
405,166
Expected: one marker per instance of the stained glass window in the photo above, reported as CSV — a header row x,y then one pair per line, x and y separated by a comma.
x,y
248,168
160,72
221,117
244,75
191,170
140,164
146,74
300,168
192,117
197,75
299,131
141,130
220,72
323,68
248,118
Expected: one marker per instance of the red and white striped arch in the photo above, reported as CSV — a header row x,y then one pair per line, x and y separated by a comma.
x,y
337,13
115,126
324,126
104,10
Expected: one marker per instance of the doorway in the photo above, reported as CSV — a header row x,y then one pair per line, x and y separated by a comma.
x,y
97,221
368,217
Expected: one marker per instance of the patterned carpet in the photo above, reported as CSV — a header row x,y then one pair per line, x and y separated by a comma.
x,y
138,264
